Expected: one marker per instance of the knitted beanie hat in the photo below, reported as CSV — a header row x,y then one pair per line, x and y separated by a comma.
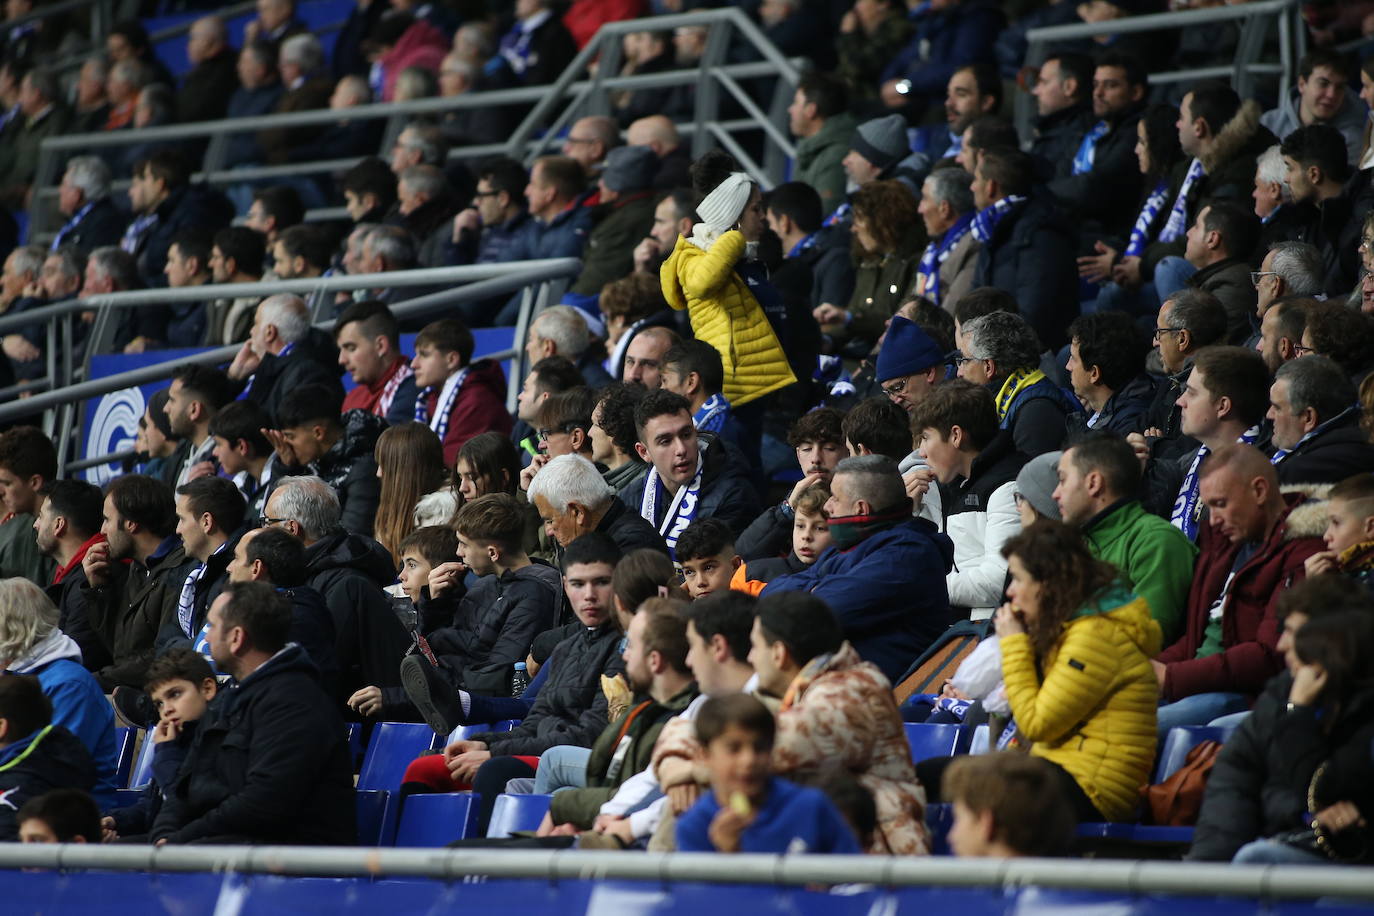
x,y
629,168
907,349
882,141
721,209
1037,481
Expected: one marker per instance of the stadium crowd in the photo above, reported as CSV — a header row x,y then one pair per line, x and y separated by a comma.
x,y
1094,402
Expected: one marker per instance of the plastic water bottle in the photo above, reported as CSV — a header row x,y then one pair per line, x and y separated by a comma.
x,y
519,680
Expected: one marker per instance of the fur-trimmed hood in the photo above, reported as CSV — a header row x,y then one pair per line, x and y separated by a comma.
x,y
1307,518
1233,138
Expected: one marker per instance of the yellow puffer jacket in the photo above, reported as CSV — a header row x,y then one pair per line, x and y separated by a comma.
x,y
727,316
1093,712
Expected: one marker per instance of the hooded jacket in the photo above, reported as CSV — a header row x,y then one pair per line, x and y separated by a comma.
x,y
127,614
1155,558
350,468
981,516
571,707
1250,629
1258,787
820,157
269,763
1350,120
313,360
480,407
839,710
1032,256
888,591
350,571
725,492
50,758
725,314
78,704
1089,704
1332,455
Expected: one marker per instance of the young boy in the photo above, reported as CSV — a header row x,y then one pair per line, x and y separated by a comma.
x,y
748,809
60,816
479,633
1007,804
243,452
458,398
181,685
35,755
706,553
818,439
1349,532
421,551
810,538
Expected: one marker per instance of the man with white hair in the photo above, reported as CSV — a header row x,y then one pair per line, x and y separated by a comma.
x,y
93,220
350,571
283,352
560,330
572,499
1288,269
299,61
205,92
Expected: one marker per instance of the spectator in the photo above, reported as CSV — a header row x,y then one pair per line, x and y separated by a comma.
x,y
1254,546
975,466
68,525
182,324
60,816
206,89
1322,96
633,305
1064,94
458,398
398,42
300,61
125,80
165,205
613,434
125,610
1217,260
244,453
194,397
563,423
1027,248
1349,532
590,141
345,137
37,756
1006,805
1288,269
1098,478
1317,173
706,277
1107,371
820,120
1188,321
257,94
584,17
945,272
313,432
276,21
1100,179
643,53
210,512
274,210
283,353
90,104
410,463
945,38
560,224
1298,754
573,499
1317,435
838,711
1066,605
690,476
419,143
425,206
350,571
809,538
370,352
872,528
490,228
549,376
93,220
674,216
538,47
874,427
44,115
1345,335
626,207
292,783
706,554
659,133
369,190
1281,330
36,647
813,258
692,368
28,461
1001,352
560,330
818,440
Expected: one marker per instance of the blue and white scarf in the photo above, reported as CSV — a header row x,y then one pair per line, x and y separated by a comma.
x,y
841,215
1281,454
681,511
711,416
186,602
71,224
515,44
805,244
1140,232
1178,216
443,407
985,223
1187,509
928,271
248,388
134,234
1087,150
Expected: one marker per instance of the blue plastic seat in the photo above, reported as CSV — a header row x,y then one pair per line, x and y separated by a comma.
x,y
393,746
939,818
436,820
355,743
933,740
126,739
517,812
371,807
142,773
1180,742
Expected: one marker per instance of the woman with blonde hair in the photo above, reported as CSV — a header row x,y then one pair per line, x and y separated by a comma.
x,y
410,463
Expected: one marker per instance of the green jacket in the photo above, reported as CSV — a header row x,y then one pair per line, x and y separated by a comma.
x,y
609,254
581,806
880,287
23,140
820,159
19,554
1155,556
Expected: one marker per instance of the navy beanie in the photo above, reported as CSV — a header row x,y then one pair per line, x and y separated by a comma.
x,y
906,350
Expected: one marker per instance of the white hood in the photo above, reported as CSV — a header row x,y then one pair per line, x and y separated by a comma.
x,y
56,645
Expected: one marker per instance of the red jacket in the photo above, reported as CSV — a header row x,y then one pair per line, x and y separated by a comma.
x,y
480,407
585,17
1250,630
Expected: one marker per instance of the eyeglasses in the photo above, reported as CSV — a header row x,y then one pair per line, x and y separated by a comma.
x,y
545,434
959,363
894,388
579,140
268,520
1159,331
1257,275
477,194
1299,350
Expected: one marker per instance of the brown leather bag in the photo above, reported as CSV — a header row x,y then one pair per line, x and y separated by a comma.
x,y
1176,801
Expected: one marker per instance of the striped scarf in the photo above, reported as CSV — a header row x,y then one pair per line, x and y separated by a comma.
x,y
1140,232
985,223
1178,215
1087,150
928,271
1016,383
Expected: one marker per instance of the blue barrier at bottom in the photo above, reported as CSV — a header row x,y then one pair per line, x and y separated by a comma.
x,y
39,891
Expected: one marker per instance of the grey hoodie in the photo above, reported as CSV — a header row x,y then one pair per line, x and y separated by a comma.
x,y
1349,120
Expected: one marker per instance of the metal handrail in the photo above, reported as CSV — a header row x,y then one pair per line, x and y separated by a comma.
x,y
1193,879
1154,22
48,10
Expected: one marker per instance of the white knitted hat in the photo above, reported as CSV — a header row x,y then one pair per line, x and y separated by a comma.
x,y
720,209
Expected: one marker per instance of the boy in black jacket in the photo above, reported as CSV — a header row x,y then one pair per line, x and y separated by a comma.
x,y
35,756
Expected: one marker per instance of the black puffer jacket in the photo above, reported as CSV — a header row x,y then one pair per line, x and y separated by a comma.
x,y
50,758
571,708
1331,456
725,494
350,571
313,360
350,468
629,530
1259,785
269,764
